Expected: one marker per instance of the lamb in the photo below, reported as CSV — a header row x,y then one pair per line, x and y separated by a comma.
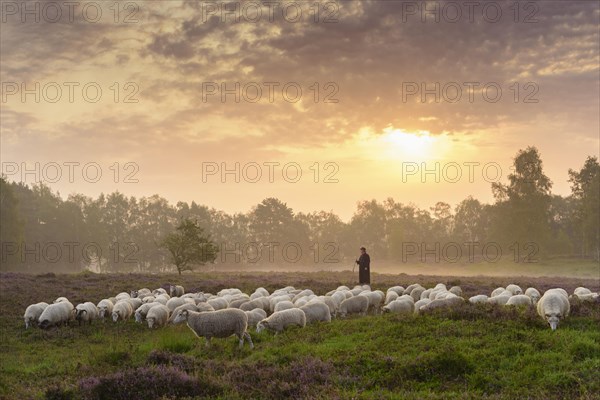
x,y
354,305
519,300
316,311
122,311
282,319
220,324
283,305
33,312
105,307
534,294
157,316
553,306
478,299
400,306
86,312
255,316
514,289
176,290
56,314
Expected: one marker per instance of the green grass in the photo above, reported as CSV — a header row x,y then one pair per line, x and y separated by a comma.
x,y
471,352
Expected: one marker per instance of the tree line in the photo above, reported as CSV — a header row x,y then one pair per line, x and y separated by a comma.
x,y
40,231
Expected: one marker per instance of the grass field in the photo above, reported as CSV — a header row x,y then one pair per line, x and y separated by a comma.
x,y
469,352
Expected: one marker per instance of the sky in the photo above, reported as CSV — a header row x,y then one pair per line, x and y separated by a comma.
x,y
320,104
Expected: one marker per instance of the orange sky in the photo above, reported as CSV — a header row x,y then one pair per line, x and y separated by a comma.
x,y
365,93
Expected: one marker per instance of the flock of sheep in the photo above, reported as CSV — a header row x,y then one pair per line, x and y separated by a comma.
x,y
232,312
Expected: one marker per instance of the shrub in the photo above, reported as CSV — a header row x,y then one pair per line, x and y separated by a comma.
x,y
179,361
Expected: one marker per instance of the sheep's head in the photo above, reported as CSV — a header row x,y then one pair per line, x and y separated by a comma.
x,y
134,294
181,316
45,324
138,317
79,314
115,316
150,322
262,325
101,312
553,319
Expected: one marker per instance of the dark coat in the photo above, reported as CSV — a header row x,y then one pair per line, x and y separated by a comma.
x,y
364,269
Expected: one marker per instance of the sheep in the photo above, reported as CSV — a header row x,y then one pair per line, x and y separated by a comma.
x,y
304,293
519,300
276,299
238,303
142,311
420,304
230,291
157,316
478,299
260,302
375,301
456,290
260,292
162,299
282,319
86,312
175,302
553,306
338,297
105,307
514,289
149,299
140,293
426,293
442,303
283,305
159,291
176,290
329,302
60,300
534,294
583,294
398,289
354,305
342,288
122,296
416,293
400,306
56,314
33,312
135,302
316,311
255,316
218,303
497,291
390,296
500,299
219,324
122,311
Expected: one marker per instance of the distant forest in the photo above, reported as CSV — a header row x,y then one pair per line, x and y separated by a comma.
x,y
42,232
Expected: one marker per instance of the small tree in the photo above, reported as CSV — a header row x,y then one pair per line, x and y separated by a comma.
x,y
188,246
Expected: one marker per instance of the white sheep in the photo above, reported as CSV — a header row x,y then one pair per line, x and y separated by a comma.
x,y
284,305
443,303
416,292
400,306
354,305
60,300
329,302
218,303
282,319
162,298
141,293
175,302
316,311
33,312
142,311
122,311
219,324
514,289
176,290
478,299
553,306
56,314
122,296
375,301
276,298
534,294
105,307
86,312
398,289
420,304
519,300
159,291
457,290
497,291
500,299
255,316
259,302
157,316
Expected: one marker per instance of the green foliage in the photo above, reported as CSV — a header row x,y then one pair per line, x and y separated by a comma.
x,y
188,246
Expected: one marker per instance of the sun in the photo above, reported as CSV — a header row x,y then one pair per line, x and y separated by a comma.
x,y
399,142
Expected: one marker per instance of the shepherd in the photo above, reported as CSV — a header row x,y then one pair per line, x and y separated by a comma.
x,y
364,267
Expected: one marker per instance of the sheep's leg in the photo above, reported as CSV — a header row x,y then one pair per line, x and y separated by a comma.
x,y
207,343
241,340
247,336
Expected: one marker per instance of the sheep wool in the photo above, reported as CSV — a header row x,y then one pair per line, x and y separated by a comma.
x,y
86,312
157,316
33,312
122,311
519,300
56,314
219,324
282,319
255,316
478,299
176,290
400,306
354,305
105,307
534,294
316,311
553,306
